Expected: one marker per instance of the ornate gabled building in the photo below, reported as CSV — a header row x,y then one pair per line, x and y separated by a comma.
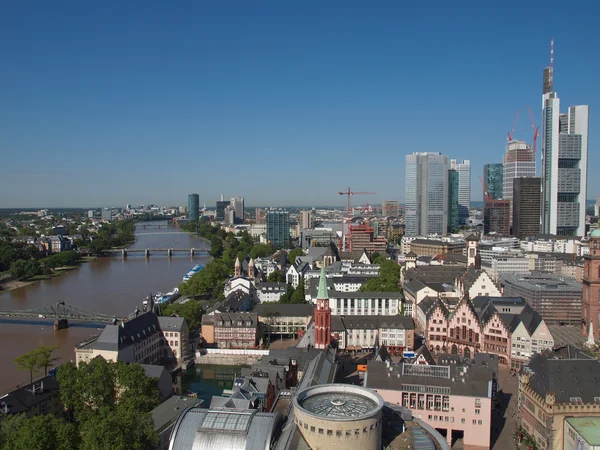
x,y
433,318
476,282
464,330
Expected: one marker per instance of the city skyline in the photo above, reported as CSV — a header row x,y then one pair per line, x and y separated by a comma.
x,y
134,98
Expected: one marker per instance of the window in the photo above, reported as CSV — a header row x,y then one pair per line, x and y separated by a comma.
x,y
329,433
320,430
477,411
474,422
462,421
312,429
479,422
477,403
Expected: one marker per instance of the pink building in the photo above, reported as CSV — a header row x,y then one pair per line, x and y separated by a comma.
x,y
455,399
464,330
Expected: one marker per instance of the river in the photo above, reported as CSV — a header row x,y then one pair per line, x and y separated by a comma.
x,y
109,285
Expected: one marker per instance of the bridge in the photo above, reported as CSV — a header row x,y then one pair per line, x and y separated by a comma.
x,y
62,313
152,225
168,251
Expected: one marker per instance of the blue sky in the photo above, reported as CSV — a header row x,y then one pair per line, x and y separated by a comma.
x,y
284,103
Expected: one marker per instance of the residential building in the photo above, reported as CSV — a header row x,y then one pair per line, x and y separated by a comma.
x,y
526,207
34,399
257,229
456,396
367,332
176,339
271,292
107,215
556,386
220,209
463,168
493,179
237,203
166,414
193,207
453,183
590,299
284,320
162,378
230,330
278,228
305,220
556,299
564,167
496,217
426,194
390,208
519,161
295,274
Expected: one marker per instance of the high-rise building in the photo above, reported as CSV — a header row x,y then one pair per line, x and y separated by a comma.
x,y
564,163
390,208
237,203
452,200
193,207
220,211
597,207
305,220
278,228
426,210
91,214
526,207
259,215
464,188
496,217
493,179
107,215
519,161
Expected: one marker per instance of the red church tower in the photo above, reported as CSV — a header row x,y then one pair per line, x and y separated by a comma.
x,y
590,296
322,314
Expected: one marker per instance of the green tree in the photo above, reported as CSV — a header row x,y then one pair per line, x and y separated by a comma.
x,y
45,358
25,269
294,253
387,281
298,295
208,282
45,432
191,311
276,277
30,362
216,247
261,251
288,296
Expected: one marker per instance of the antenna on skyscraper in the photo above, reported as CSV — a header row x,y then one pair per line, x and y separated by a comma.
x,y
552,64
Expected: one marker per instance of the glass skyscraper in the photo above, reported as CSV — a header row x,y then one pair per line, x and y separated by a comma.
x,y
278,228
193,207
464,188
452,200
493,175
426,193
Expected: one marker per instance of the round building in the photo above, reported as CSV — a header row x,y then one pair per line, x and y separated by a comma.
x,y
339,416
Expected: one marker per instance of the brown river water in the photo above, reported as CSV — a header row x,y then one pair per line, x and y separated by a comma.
x,y
109,285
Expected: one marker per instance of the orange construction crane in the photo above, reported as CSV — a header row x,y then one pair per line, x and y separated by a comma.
x,y
350,193
486,196
511,134
536,132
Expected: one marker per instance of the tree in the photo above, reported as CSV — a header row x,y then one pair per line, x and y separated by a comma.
x,y
262,251
387,281
289,294
191,311
24,269
276,277
293,254
216,247
298,295
209,281
45,358
45,432
29,362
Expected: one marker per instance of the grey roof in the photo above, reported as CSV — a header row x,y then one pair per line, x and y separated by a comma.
x,y
168,411
426,304
435,274
229,429
218,401
153,371
424,350
265,286
474,383
134,331
284,309
320,370
231,319
567,372
541,281
485,307
22,399
168,323
337,324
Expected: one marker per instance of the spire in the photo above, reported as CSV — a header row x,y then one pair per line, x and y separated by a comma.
x,y
322,293
251,262
237,262
590,340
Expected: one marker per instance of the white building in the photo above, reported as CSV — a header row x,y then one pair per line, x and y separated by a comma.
x,y
305,220
271,292
518,161
464,188
504,265
237,203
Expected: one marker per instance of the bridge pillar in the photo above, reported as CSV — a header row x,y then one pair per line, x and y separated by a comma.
x,y
123,253
60,324
170,252
147,252
192,252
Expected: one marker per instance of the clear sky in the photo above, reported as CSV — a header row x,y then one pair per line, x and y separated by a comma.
x,y
284,103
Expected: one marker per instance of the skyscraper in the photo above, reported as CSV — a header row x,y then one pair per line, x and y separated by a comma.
x,y
496,217
464,188
220,210
493,178
390,208
519,161
426,191
452,200
193,207
305,221
237,203
564,162
526,207
278,228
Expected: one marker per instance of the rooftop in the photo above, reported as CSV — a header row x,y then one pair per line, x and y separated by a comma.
x,y
537,281
338,401
587,427
168,411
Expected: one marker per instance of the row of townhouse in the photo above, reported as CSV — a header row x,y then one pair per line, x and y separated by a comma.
x,y
396,332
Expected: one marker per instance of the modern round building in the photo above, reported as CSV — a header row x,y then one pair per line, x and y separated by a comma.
x,y
339,416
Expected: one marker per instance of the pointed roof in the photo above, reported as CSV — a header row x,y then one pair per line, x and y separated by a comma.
x,y
472,237
237,262
322,292
251,262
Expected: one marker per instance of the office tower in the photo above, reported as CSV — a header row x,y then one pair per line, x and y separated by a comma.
x,y
278,228
519,161
91,213
564,162
464,188
107,215
426,194
526,206
220,211
305,220
496,217
493,178
237,203
193,207
452,200
229,218
259,215
390,208
597,207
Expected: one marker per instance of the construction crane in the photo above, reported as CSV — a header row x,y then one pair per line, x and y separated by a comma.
x,y
350,193
536,132
486,196
511,134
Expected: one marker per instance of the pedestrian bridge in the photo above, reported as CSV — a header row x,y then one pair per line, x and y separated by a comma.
x,y
153,251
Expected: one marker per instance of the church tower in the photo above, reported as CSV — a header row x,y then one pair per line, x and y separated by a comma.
x,y
237,271
251,273
473,258
590,295
322,314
